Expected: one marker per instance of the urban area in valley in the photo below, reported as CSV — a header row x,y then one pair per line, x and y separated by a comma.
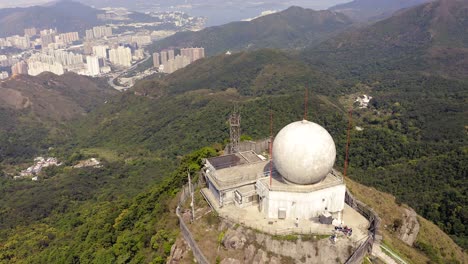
x,y
109,51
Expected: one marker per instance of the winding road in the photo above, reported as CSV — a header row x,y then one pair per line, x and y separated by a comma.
x,y
119,74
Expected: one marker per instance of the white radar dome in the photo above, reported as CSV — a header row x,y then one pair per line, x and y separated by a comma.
x,y
304,152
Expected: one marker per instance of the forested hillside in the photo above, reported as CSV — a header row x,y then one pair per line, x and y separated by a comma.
x,y
293,28
369,10
34,110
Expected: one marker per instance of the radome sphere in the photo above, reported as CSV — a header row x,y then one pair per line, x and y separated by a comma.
x,y
304,152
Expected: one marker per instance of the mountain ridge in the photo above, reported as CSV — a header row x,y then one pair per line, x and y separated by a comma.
x,y
372,10
66,16
292,28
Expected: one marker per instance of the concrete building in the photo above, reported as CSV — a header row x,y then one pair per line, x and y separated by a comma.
x,y
193,53
67,38
163,55
139,54
30,31
299,183
47,39
4,75
20,68
101,51
141,40
92,63
156,60
18,42
37,67
121,56
89,34
170,55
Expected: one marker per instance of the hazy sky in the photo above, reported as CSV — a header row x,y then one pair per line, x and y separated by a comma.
x,y
315,4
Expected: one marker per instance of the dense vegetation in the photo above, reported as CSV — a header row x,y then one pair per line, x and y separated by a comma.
x,y
121,213
293,28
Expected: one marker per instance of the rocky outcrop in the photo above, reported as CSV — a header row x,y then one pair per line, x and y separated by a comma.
x,y
249,253
261,257
409,229
234,240
178,251
230,261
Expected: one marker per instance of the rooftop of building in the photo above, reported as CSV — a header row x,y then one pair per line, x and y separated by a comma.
x,y
236,159
334,178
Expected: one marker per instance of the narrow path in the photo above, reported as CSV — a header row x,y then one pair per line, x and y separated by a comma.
x,y
378,252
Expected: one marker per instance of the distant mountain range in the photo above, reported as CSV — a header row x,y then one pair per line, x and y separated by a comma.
x,y
66,16
369,10
293,28
429,38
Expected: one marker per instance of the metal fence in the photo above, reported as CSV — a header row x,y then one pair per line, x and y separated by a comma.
x,y
366,247
197,253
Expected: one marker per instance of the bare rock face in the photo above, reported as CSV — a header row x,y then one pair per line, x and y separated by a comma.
x,y
234,240
230,261
249,253
178,250
261,257
275,260
410,227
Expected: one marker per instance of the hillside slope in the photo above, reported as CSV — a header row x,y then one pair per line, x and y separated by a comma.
x,y
66,16
33,107
293,28
368,10
431,38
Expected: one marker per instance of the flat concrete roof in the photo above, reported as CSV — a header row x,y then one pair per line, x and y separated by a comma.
x,y
333,178
247,190
236,176
235,159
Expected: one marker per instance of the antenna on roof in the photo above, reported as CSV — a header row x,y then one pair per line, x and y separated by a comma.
x,y
234,124
271,145
306,102
350,120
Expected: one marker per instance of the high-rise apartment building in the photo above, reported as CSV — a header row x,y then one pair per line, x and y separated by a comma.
x,y
92,63
156,60
89,34
121,56
30,31
47,39
163,55
141,40
4,75
100,51
37,67
20,68
67,38
170,55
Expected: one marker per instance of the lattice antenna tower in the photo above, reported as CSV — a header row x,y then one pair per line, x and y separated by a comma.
x,y
235,130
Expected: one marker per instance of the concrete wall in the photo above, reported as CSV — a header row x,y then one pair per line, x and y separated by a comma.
x,y
304,205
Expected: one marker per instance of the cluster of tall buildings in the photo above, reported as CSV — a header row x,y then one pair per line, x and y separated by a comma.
x,y
16,41
98,32
121,56
7,61
67,38
19,68
167,62
141,40
53,61
4,75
